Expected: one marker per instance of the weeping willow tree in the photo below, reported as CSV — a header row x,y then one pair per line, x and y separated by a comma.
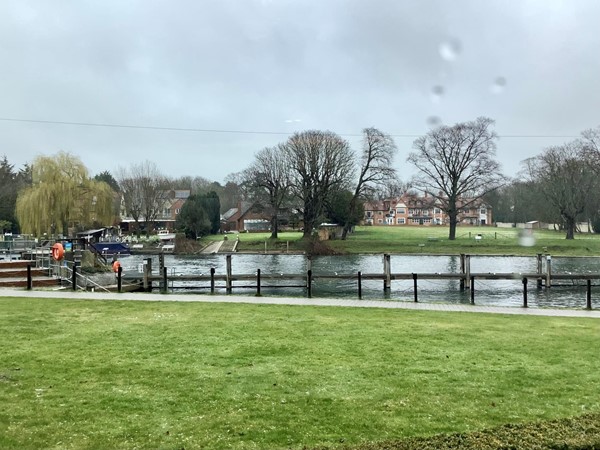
x,y
62,196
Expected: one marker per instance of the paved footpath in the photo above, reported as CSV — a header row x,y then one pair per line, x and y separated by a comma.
x,y
68,294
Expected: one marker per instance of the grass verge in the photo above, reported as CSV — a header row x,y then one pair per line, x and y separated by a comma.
x,y
108,374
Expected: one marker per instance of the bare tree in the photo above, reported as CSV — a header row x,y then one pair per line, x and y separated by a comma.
x,y
457,163
144,190
567,181
590,145
269,177
376,158
320,162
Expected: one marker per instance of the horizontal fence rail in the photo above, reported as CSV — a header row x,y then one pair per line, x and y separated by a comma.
x,y
259,280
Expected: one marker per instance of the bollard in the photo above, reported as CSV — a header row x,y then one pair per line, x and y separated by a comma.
x,y
415,286
472,279
258,282
525,292
212,280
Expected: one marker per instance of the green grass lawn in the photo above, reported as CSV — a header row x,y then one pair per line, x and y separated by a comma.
x,y
110,374
432,240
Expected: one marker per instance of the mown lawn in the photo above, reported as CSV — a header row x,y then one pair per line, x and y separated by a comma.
x,y
112,374
431,240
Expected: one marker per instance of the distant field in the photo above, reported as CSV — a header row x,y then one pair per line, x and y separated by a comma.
x,y
432,240
122,375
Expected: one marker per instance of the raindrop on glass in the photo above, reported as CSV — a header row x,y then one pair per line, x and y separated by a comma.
x,y
434,121
450,49
499,85
437,92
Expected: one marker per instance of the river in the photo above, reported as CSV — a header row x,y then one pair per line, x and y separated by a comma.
x,y
487,292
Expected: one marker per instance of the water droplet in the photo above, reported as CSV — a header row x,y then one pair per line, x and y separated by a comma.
x,y
499,85
434,121
450,49
437,92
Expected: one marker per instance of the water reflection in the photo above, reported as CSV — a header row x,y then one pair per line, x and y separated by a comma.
x,y
487,292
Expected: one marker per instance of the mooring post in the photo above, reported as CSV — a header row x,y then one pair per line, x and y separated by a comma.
x,y
258,282
387,273
29,280
539,270
309,262
147,274
309,283
548,271
472,284
415,286
164,280
119,279
588,302
359,278
161,261
228,281
525,292
468,271
212,280
462,271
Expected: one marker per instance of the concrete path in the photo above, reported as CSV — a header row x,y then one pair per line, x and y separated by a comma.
x,y
68,294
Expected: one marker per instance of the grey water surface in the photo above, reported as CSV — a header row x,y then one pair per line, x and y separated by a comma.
x,y
487,292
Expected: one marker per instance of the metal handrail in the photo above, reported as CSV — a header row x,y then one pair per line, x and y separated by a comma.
x,y
69,270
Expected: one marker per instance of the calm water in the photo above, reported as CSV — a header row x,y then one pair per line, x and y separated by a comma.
x,y
487,292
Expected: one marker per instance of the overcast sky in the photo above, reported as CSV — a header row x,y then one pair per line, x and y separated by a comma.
x,y
272,67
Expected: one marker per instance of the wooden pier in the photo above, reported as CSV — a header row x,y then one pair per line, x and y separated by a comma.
x,y
161,280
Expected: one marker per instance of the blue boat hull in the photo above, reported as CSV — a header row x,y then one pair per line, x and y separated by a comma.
x,y
112,248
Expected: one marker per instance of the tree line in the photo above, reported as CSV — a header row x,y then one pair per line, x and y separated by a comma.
x,y
312,177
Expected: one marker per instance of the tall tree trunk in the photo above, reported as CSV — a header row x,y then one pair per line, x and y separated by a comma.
x,y
453,221
274,226
345,231
570,225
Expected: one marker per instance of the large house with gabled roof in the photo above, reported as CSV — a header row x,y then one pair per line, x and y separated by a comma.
x,y
413,209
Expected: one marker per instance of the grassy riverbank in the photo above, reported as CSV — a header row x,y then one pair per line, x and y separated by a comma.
x,y
108,374
431,240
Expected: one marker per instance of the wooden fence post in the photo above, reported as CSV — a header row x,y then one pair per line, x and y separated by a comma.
x,y
472,283
387,273
74,278
462,271
228,281
525,292
309,283
588,301
548,271
164,280
258,282
359,278
468,271
29,279
212,280
539,270
119,279
415,286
